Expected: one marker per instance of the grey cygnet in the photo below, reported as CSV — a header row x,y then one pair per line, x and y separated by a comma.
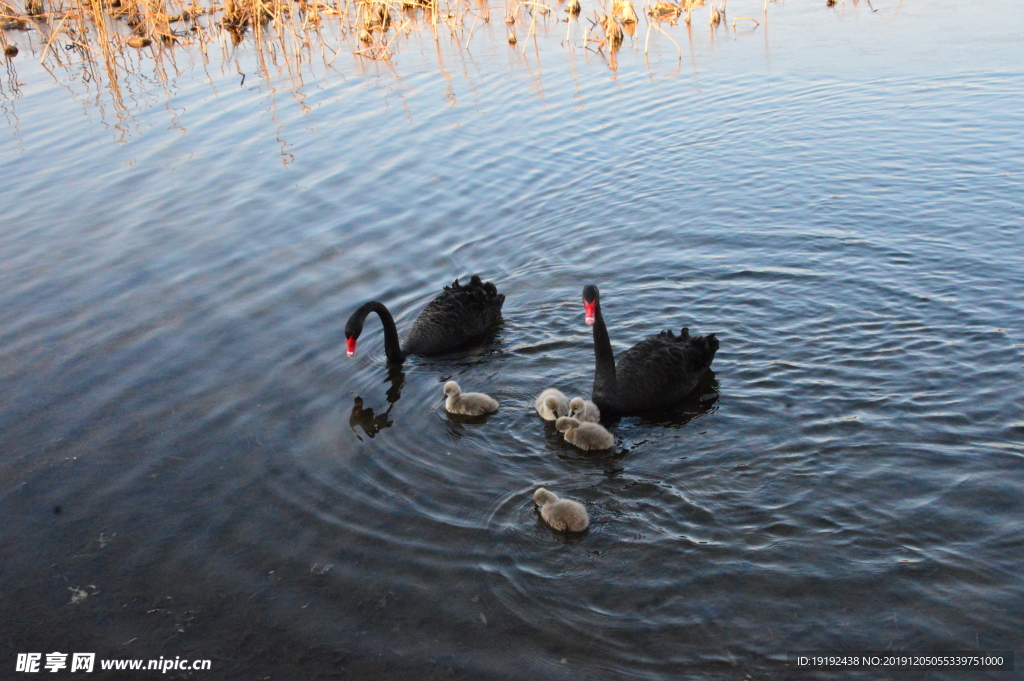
x,y
587,436
468,404
563,515
584,410
551,404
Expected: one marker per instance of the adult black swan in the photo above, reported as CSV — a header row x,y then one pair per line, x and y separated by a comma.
x,y
658,370
458,317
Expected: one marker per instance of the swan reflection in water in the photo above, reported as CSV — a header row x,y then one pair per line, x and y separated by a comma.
x,y
365,418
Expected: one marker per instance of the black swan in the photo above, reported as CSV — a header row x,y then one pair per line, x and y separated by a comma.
x,y
458,317
658,370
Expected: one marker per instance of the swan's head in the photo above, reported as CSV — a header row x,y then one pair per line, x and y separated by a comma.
x,y
590,297
551,402
542,497
564,423
452,389
353,328
575,406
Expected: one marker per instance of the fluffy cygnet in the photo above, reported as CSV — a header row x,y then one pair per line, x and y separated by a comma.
x,y
551,404
584,410
586,435
561,514
468,404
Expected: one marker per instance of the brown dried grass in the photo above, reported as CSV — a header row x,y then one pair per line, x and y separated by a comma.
x,y
103,40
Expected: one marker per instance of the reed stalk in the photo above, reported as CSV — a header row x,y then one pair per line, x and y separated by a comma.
x,y
105,39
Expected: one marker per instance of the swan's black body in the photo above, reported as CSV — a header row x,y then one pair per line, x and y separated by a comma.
x,y
658,370
457,318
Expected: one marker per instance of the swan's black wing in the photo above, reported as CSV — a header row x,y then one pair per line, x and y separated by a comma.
x,y
662,369
456,318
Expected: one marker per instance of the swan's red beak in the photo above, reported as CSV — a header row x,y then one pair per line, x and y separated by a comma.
x,y
589,312
351,346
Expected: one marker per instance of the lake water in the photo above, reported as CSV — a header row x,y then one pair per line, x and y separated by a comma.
x,y
836,193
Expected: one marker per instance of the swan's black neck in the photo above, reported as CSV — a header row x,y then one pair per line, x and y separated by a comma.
x,y
606,387
392,347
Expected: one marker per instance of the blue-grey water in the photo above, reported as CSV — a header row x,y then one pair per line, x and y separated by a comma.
x,y
836,194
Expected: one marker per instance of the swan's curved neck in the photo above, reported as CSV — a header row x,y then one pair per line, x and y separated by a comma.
x,y
392,347
605,385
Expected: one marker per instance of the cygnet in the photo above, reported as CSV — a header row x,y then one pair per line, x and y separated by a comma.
x,y
467,404
564,515
551,404
584,410
586,435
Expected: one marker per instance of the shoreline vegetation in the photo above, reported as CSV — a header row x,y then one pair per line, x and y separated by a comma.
x,y
103,42
100,30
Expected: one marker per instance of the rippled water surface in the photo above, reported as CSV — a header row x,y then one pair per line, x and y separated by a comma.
x,y
838,198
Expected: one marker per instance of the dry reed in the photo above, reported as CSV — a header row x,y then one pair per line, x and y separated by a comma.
x,y
665,11
94,37
624,10
716,15
98,30
611,35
